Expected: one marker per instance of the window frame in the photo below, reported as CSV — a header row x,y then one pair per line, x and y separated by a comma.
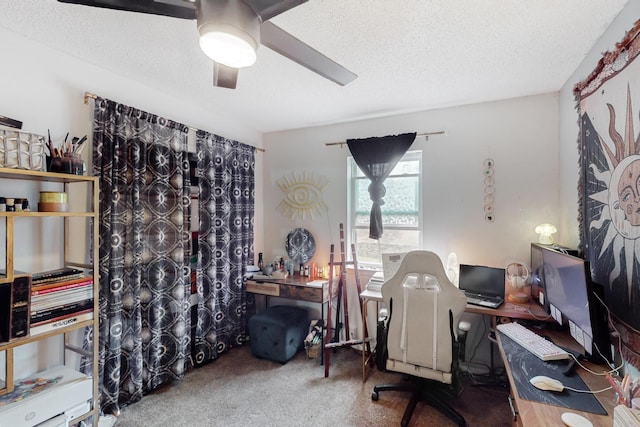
x,y
352,179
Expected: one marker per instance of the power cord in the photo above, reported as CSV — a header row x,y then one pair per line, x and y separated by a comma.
x,y
547,317
588,391
612,367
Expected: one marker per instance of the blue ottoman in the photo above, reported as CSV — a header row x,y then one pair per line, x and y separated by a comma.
x,y
278,332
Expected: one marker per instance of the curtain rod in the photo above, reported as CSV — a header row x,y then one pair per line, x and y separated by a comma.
x,y
426,135
89,95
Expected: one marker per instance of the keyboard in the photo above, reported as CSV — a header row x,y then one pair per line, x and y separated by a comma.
x,y
474,298
534,343
478,301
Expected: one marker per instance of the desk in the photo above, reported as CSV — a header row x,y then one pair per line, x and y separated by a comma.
x,y
296,288
530,413
529,311
366,296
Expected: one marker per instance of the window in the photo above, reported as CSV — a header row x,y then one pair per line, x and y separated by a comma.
x,y
401,212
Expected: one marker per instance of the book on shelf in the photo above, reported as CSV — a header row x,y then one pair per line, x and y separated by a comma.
x,y
60,322
60,310
63,316
48,287
56,298
56,275
87,288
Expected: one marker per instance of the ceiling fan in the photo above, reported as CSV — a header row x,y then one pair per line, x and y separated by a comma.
x,y
231,31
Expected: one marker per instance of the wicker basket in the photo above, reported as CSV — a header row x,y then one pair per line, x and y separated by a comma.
x,y
313,350
313,341
21,150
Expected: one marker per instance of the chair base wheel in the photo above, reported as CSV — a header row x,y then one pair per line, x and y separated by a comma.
x,y
374,396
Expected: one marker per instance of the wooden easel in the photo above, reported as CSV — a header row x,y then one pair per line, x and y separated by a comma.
x,y
332,342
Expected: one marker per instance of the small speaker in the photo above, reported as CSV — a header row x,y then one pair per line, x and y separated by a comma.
x,y
20,305
15,307
5,312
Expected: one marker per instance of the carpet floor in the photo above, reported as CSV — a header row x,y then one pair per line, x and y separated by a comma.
x,y
238,389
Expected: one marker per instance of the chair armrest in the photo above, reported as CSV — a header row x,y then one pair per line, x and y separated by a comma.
x,y
463,328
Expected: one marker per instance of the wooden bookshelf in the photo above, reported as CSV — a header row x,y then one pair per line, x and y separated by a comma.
x,y
8,220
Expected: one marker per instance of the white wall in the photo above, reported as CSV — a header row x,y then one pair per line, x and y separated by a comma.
x,y
569,129
44,89
521,135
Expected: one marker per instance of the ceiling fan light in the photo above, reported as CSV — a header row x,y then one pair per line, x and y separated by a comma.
x,y
229,32
233,49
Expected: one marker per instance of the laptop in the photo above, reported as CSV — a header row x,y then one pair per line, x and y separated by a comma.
x,y
482,285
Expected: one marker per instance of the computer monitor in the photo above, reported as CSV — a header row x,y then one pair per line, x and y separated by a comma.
x,y
536,278
482,280
572,298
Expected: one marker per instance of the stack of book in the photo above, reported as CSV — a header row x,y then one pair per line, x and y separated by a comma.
x,y
375,282
60,298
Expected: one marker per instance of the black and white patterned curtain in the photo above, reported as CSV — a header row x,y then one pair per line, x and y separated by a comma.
x,y
144,251
226,181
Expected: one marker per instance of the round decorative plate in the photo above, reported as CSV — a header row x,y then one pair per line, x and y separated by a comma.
x,y
300,245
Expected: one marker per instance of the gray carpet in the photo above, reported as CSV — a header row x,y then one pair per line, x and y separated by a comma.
x,y
240,390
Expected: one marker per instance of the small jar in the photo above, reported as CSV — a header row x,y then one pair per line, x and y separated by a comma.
x,y
25,205
3,204
11,207
73,164
69,163
18,204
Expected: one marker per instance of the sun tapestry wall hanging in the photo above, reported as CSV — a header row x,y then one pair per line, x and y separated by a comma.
x,y
609,185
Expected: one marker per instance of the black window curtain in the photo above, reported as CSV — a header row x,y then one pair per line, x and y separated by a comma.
x,y
376,157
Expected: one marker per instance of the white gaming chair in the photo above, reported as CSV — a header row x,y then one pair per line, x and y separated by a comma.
x,y
422,336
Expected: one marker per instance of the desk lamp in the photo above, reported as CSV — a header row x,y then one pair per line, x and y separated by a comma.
x,y
545,231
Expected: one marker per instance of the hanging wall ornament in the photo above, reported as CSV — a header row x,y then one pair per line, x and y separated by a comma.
x,y
489,190
302,195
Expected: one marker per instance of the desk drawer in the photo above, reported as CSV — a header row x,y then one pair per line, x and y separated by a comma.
x,y
302,293
263,288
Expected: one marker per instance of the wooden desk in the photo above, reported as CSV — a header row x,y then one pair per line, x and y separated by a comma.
x,y
296,288
530,413
366,296
509,310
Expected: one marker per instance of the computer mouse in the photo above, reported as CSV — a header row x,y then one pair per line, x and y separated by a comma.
x,y
574,420
546,383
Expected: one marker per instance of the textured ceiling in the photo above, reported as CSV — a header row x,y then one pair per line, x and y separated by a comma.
x,y
409,55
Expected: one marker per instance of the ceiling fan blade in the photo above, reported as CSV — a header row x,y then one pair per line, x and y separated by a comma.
x,y
224,76
267,9
287,45
182,9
